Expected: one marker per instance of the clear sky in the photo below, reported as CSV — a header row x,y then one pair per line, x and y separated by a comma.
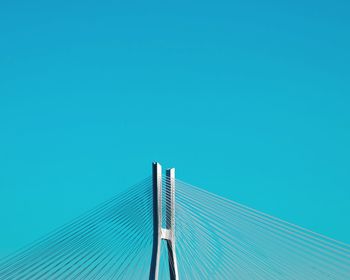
x,y
247,99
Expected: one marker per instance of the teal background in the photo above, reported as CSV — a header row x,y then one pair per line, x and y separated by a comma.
x,y
247,99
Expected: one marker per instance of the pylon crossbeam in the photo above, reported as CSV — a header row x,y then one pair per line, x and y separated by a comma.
x,y
166,234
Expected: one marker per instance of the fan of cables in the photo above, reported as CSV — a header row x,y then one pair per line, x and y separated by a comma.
x,y
217,238
112,241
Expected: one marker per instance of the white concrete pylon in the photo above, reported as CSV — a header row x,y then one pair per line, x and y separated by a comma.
x,y
159,233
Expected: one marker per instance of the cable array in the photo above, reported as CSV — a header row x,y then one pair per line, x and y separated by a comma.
x,y
217,238
112,241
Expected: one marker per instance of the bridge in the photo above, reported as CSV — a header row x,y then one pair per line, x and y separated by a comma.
x,y
164,228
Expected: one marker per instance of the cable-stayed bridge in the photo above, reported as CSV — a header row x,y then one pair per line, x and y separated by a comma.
x,y
163,228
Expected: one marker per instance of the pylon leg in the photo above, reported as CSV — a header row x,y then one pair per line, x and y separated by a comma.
x,y
157,220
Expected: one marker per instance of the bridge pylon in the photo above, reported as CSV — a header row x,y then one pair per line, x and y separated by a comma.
x,y
159,233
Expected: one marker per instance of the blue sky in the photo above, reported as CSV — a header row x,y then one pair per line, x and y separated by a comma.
x,y
248,99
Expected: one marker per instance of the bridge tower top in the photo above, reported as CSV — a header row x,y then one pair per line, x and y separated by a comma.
x,y
159,233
